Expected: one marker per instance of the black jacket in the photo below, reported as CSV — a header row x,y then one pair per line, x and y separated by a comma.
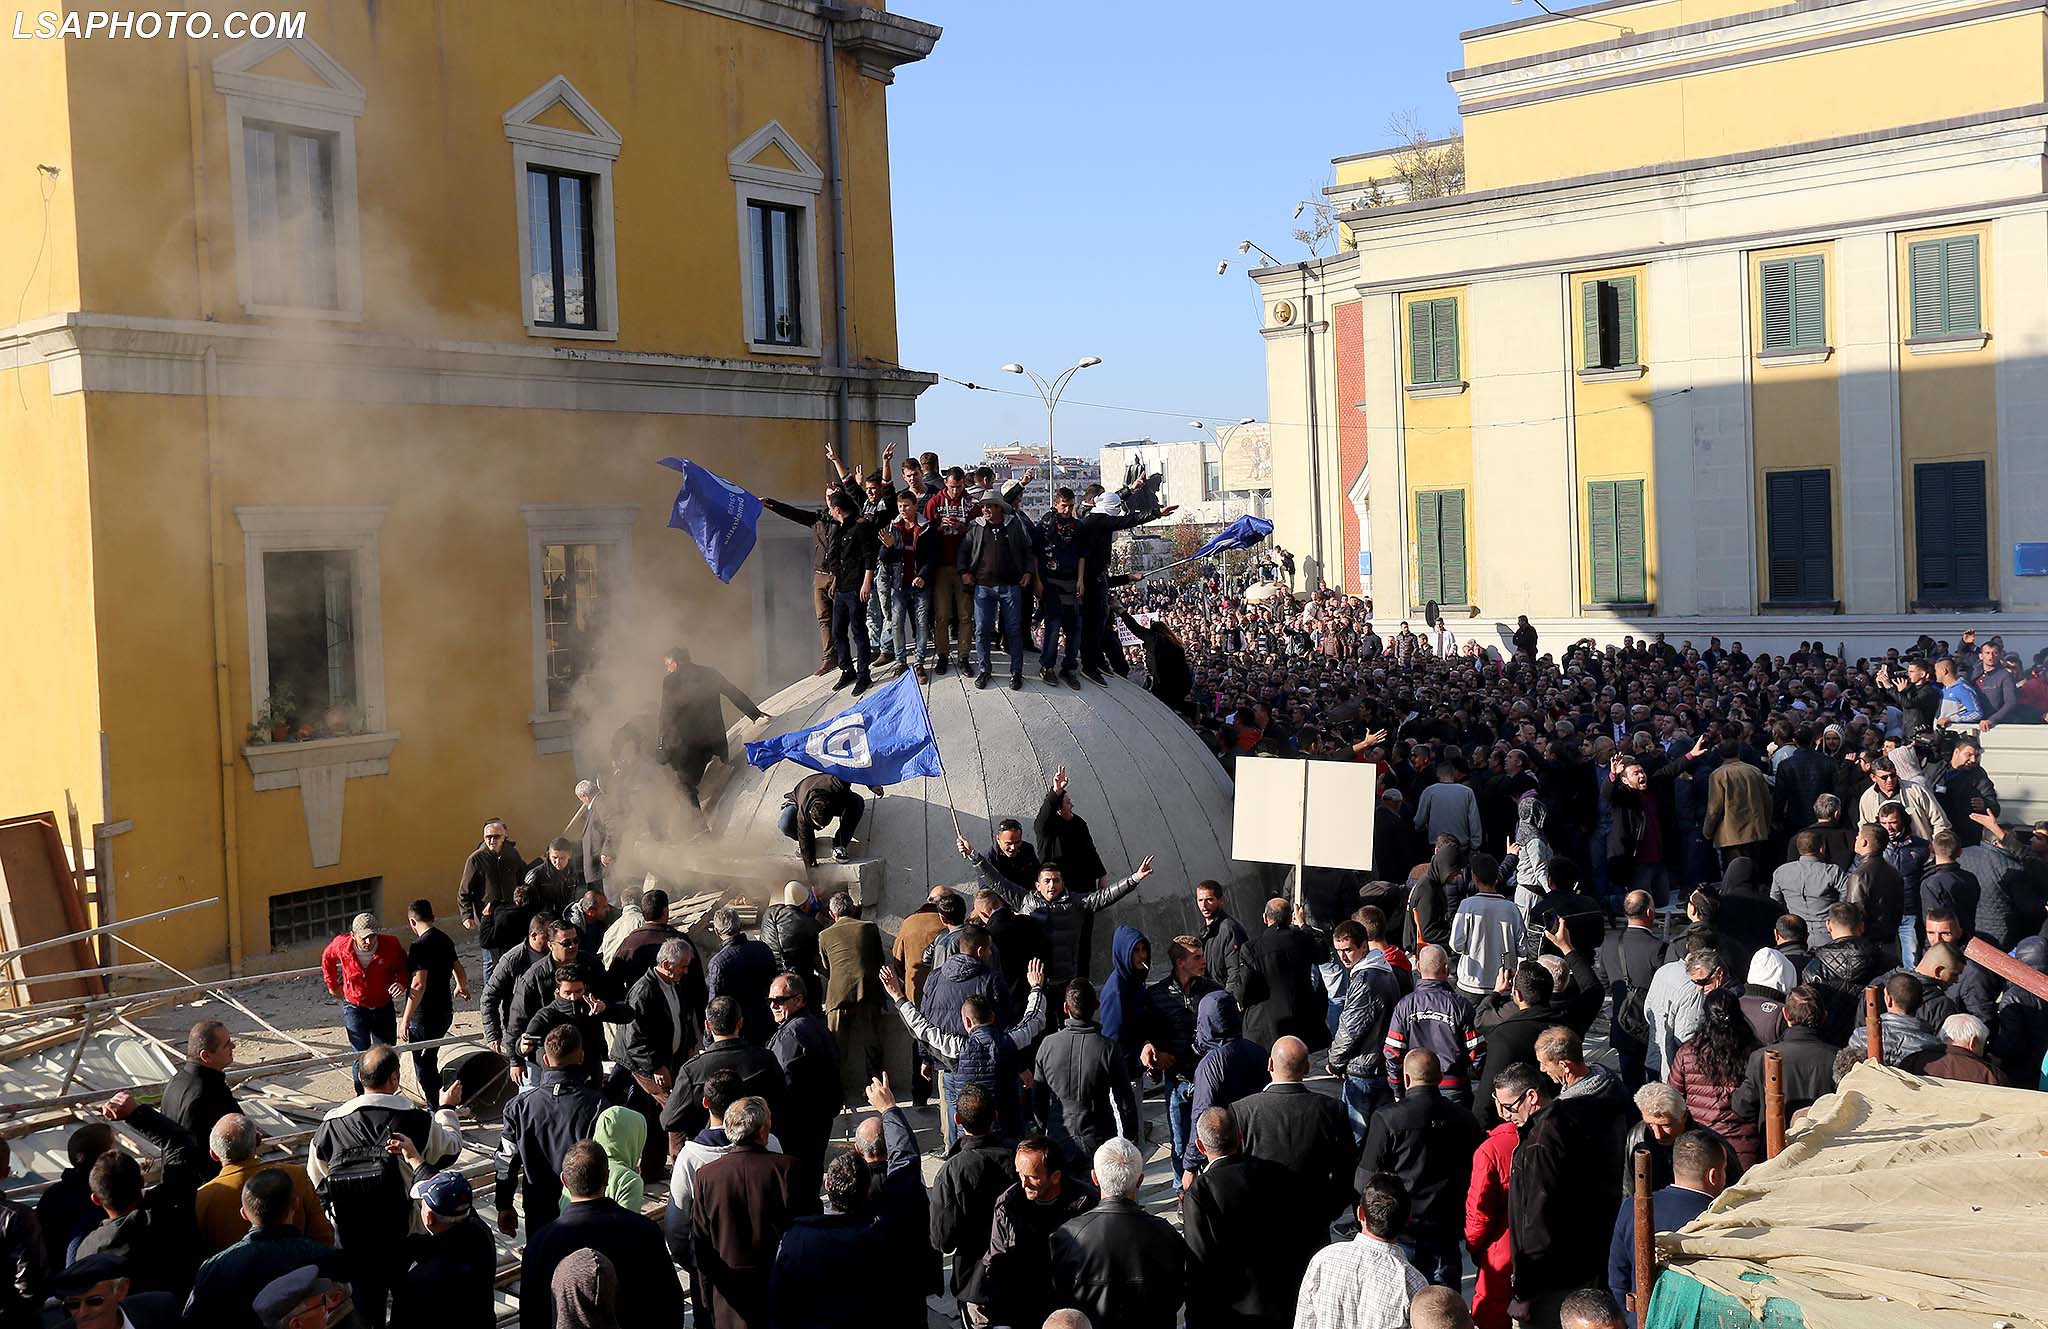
x,y
1808,1065
224,1290
690,715
1841,970
647,1277
448,1279
760,1075
1226,947
197,1097
1014,1279
1875,887
793,936
157,1239
22,1265
1511,1037
826,1274
1012,555
488,877
495,1005
820,800
1303,1131
540,1125
977,1170
1249,1242
1428,1142
1173,1009
1282,992
1950,886
1558,1221
656,1040
1087,1074
1067,842
1122,1266
1961,791
1801,778
809,1056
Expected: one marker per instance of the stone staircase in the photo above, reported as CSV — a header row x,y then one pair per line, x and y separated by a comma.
x,y
2016,758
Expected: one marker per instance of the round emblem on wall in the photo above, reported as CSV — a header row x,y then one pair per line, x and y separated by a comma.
x,y
1283,313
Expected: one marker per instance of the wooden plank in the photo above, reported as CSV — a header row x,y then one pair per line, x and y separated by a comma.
x,y
39,903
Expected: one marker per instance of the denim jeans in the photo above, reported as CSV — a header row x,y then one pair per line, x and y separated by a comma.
x,y
785,821
1363,1096
1062,614
850,631
1436,1257
1909,940
949,1099
1180,1106
366,1025
882,611
988,602
913,607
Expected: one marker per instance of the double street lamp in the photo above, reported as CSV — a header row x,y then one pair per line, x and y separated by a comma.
x,y
1049,393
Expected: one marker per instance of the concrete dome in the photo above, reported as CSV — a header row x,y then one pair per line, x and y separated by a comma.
x,y
1138,775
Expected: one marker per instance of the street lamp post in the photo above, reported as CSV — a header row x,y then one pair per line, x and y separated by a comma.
x,y
1222,437
1049,393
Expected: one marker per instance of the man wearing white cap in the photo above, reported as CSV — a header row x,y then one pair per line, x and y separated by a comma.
x,y
1771,976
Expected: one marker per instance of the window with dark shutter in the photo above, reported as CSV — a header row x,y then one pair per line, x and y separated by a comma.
x,y
1433,342
1951,532
1945,290
1607,322
1799,537
1795,302
1614,531
1440,546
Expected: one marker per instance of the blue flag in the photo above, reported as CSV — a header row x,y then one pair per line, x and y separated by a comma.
x,y
883,738
1240,534
718,514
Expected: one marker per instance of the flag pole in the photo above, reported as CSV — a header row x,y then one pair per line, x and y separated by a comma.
x,y
944,778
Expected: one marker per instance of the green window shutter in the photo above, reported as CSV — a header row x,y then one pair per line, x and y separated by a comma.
x,y
1925,263
1632,578
1776,279
1451,542
1817,532
1970,535
1600,525
1589,322
1624,321
1809,301
1444,317
1421,344
1781,535
1962,306
1934,547
1428,555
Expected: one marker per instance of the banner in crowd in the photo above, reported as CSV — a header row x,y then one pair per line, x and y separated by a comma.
x,y
884,738
1240,534
718,514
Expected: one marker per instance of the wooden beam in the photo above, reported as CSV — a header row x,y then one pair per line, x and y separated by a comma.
x,y
1774,1103
2007,968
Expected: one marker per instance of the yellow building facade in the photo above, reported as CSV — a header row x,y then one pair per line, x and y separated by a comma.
x,y
332,415
1740,327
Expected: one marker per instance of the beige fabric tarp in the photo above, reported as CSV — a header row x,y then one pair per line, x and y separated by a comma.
x,y
1897,1201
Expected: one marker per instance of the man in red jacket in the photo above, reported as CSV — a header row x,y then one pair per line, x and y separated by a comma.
x,y
365,971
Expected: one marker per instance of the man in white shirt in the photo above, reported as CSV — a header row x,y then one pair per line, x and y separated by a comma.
x,y
1486,932
1364,1283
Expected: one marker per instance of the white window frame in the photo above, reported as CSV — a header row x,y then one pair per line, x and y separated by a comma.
x,y
591,154
276,530
799,189
567,523
330,109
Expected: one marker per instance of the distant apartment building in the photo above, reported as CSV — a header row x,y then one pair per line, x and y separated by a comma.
x,y
1011,461
1209,483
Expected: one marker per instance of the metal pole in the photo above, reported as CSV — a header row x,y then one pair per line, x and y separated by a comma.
x,y
221,993
1875,1047
1645,1234
46,1009
1774,1103
101,930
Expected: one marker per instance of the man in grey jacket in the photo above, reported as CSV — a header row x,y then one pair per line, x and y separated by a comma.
x,y
1809,884
1448,807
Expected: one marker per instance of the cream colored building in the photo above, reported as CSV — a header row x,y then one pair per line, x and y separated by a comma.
x,y
1740,328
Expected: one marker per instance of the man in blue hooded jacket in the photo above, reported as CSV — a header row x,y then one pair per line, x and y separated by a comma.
x,y
1232,1067
1126,1016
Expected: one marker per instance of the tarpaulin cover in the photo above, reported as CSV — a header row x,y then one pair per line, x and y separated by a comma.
x,y
1898,1201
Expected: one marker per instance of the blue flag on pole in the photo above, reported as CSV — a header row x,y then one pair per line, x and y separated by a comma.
x,y
884,738
1240,534
718,514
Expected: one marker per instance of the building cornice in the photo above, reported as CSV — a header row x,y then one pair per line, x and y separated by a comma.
x,y
1750,39
1360,219
89,352
879,40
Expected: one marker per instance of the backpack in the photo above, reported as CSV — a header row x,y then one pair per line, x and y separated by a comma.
x,y
364,1183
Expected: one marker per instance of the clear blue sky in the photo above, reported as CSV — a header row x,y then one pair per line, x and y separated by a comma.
x,y
1067,176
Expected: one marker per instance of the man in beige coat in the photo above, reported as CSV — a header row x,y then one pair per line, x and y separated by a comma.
x,y
851,956
1738,807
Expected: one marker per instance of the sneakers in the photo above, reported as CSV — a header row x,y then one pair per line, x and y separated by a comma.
x,y
941,665
1095,676
846,677
1046,676
1016,682
839,853
1071,679
981,679
862,682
